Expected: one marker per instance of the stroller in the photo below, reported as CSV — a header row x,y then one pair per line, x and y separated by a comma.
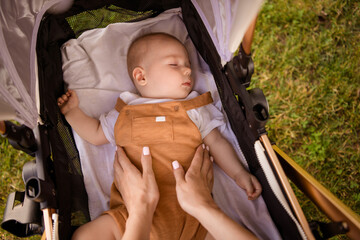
x,y
55,181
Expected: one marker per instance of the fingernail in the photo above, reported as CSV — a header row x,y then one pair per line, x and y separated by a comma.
x,y
175,164
203,146
207,148
146,151
211,158
117,148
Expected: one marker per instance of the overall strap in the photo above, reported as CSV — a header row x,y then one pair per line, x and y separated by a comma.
x,y
120,104
199,101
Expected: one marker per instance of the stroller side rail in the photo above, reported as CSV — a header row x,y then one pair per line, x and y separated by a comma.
x,y
288,190
48,224
323,198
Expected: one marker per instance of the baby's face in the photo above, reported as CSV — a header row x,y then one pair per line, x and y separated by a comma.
x,y
167,70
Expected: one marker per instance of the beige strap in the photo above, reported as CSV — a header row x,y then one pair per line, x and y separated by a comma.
x,y
199,101
120,104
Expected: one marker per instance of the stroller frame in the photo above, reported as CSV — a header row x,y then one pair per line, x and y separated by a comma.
x,y
58,160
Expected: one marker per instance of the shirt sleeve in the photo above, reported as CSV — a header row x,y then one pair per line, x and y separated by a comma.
x,y
206,118
107,122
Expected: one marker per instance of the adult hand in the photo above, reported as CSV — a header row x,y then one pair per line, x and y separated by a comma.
x,y
139,190
193,189
140,194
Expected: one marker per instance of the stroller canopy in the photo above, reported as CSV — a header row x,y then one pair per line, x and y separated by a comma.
x,y
20,21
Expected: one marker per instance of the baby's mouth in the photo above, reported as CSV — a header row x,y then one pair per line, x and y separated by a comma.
x,y
188,84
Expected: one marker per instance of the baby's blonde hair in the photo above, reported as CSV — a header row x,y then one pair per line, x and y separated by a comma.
x,y
140,47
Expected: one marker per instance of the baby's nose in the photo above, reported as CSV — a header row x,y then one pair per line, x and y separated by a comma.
x,y
187,71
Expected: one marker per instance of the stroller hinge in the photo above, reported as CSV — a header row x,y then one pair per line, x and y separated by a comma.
x,y
241,67
252,102
20,137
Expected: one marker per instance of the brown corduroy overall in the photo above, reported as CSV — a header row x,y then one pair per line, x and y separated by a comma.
x,y
171,135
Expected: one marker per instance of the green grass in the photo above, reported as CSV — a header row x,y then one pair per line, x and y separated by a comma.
x,y
12,162
307,56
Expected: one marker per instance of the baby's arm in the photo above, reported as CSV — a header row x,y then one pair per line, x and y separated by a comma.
x,y
226,157
87,127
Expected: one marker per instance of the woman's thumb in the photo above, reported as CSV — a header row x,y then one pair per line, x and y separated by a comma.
x,y
178,172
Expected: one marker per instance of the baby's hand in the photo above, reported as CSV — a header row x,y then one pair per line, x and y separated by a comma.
x,y
250,184
68,101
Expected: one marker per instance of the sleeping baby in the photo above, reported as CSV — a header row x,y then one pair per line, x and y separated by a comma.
x,y
169,118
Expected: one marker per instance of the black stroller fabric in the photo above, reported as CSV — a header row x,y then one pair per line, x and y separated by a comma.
x,y
71,198
237,120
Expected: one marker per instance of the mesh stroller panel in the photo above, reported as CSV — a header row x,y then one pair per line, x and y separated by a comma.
x,y
100,18
71,195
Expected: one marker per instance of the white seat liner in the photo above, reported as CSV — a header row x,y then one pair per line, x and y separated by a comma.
x,y
95,66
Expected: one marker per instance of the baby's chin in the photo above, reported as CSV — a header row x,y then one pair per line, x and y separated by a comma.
x,y
185,94
178,95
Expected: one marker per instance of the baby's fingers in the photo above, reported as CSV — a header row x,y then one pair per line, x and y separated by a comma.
x,y
64,97
71,93
257,189
250,190
254,195
60,101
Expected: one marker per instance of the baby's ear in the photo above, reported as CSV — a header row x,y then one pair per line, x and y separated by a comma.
x,y
139,76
